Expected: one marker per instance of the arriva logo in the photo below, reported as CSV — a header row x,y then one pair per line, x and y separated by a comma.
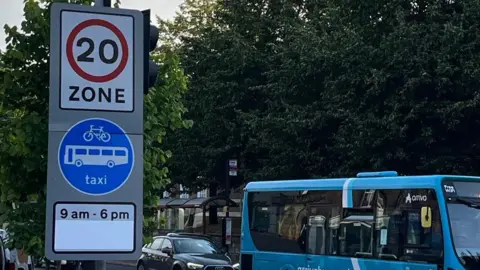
x,y
415,198
310,268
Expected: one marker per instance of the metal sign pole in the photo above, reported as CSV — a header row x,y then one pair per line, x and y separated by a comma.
x,y
101,265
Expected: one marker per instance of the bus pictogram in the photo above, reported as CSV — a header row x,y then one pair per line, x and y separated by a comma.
x,y
80,155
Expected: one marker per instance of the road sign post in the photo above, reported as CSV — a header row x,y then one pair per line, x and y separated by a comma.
x,y
95,149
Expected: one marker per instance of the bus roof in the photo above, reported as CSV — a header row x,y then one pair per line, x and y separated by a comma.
x,y
362,181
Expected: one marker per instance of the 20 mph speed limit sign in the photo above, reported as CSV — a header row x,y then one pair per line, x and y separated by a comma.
x,y
97,62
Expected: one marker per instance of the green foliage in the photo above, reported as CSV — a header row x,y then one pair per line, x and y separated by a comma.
x,y
24,92
217,61
164,112
299,89
24,128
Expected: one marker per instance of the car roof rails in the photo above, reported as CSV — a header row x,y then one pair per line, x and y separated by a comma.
x,y
179,234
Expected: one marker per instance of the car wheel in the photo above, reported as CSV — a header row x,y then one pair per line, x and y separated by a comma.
x,y
177,267
140,266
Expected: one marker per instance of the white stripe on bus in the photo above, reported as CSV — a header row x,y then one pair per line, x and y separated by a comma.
x,y
345,192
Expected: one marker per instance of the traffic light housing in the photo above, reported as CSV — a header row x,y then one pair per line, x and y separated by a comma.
x,y
151,35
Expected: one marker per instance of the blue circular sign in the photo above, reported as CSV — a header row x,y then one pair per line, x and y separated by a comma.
x,y
96,156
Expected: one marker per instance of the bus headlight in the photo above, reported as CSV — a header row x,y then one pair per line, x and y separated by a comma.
x,y
194,266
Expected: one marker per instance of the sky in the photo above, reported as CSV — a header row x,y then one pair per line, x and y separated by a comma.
x,y
11,12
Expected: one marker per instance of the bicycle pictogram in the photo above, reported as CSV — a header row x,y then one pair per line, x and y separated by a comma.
x,y
96,132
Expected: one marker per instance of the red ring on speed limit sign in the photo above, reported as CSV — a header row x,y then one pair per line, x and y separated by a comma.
x,y
73,63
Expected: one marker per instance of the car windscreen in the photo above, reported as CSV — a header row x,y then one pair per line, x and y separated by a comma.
x,y
201,246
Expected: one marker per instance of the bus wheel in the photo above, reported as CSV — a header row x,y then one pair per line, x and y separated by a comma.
x,y
78,163
110,164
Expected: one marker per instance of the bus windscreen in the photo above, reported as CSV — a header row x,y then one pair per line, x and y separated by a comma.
x,y
463,204
462,189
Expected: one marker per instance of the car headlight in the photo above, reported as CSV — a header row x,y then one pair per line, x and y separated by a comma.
x,y
236,266
194,266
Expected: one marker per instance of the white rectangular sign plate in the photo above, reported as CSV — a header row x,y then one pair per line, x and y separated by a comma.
x,y
96,63
94,227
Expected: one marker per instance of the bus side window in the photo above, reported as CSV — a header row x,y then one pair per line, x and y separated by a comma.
x,y
120,153
107,152
357,225
94,152
291,221
319,230
275,221
80,151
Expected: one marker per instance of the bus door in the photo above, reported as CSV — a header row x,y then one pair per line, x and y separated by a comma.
x,y
70,155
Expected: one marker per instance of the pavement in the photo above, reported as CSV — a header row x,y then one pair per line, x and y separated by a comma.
x,y
124,263
114,265
121,265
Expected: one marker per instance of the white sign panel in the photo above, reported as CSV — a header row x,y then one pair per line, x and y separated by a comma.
x,y
228,231
110,226
232,163
96,66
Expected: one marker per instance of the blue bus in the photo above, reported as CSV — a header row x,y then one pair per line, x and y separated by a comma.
x,y
375,221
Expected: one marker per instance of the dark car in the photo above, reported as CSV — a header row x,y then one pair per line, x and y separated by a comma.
x,y
183,252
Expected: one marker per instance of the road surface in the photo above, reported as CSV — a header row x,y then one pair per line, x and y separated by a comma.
x,y
110,266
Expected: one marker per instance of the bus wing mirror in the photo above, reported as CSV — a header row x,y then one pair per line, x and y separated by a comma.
x,y
426,217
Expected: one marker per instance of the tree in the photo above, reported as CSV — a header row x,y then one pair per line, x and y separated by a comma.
x,y
300,89
224,48
24,126
415,84
378,87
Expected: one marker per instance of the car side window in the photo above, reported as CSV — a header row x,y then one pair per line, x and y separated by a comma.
x,y
157,243
167,244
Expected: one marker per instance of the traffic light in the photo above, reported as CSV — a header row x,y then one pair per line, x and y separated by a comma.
x,y
151,35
